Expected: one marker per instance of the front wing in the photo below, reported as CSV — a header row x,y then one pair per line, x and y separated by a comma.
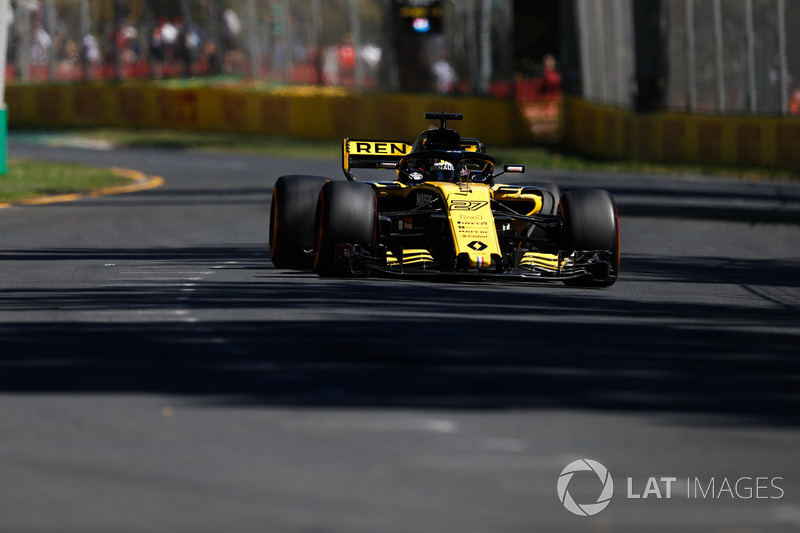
x,y
523,265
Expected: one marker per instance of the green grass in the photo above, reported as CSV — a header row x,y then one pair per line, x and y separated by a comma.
x,y
30,179
554,157
213,141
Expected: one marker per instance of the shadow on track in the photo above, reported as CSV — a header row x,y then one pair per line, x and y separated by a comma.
x,y
296,340
747,202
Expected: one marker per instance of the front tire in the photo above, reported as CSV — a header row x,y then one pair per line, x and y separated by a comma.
x,y
291,221
551,197
347,213
590,222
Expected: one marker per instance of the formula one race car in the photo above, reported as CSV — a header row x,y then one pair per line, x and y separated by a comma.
x,y
443,215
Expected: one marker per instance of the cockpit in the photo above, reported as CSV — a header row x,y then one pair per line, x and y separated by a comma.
x,y
444,166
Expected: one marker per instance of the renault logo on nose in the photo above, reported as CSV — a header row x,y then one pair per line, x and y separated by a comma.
x,y
478,246
587,509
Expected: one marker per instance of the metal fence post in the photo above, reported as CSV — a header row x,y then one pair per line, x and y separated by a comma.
x,y
750,59
355,34
691,86
719,60
253,47
587,80
472,45
390,68
507,42
621,45
50,28
316,23
84,18
286,37
5,15
600,57
486,45
783,75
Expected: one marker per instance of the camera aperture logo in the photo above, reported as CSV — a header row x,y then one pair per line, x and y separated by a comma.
x,y
664,488
586,509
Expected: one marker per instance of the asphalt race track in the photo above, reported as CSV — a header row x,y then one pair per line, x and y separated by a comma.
x,y
158,374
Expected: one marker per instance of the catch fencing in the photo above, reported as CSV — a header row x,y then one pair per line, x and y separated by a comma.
x,y
699,56
354,43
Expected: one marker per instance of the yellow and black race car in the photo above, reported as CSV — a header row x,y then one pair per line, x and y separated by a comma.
x,y
442,215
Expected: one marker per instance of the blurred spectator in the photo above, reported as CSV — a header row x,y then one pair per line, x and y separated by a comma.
x,y
209,58
67,57
371,54
40,45
191,41
551,79
89,55
60,42
330,66
169,36
156,52
794,102
444,75
774,75
235,60
232,28
346,59
127,42
183,55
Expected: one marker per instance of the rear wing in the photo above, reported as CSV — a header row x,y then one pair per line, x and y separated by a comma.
x,y
358,153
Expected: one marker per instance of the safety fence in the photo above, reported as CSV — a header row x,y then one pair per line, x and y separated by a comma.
x,y
712,82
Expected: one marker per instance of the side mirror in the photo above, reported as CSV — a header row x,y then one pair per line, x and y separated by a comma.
x,y
510,169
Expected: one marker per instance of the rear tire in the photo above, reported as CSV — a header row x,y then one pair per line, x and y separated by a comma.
x,y
346,214
590,222
291,221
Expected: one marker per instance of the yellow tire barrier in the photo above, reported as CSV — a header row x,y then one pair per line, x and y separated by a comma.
x,y
307,112
681,137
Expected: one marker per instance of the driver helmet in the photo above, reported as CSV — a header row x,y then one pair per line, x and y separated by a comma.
x,y
443,170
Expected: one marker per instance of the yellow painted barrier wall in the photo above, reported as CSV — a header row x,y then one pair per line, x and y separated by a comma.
x,y
308,112
705,139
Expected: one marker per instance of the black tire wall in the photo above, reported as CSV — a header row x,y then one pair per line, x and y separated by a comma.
x,y
590,222
346,214
291,221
